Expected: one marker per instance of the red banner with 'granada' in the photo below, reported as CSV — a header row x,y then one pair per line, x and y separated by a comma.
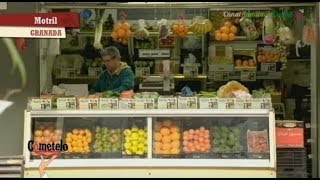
x,y
60,19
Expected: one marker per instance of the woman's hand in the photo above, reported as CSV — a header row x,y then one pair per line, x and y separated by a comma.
x,y
44,164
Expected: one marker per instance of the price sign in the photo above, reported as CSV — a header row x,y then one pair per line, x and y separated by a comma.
x,y
68,72
268,67
167,103
154,53
144,103
221,76
89,103
248,76
226,103
243,104
261,103
66,103
40,104
190,71
187,103
208,103
108,103
127,104
142,71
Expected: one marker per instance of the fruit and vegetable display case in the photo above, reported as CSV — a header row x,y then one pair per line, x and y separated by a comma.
x,y
152,142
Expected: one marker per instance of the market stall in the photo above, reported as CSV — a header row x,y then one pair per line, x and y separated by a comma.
x,y
221,71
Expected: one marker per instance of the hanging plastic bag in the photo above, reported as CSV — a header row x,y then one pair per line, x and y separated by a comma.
x,y
141,32
226,32
249,29
164,29
121,31
268,30
285,33
179,27
309,32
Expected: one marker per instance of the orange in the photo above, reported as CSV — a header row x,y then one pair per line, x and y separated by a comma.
x,y
74,137
175,136
128,33
121,33
175,151
238,62
157,151
167,123
224,30
175,27
81,132
68,139
166,146
175,144
70,149
74,143
245,63
165,152
89,139
231,36
228,24
174,129
157,136
75,131
114,35
224,37
84,139
165,131
218,36
251,62
86,148
157,145
75,149
69,135
233,29
125,26
116,27
166,139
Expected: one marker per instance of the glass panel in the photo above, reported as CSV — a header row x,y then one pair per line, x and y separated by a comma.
x,y
94,138
211,138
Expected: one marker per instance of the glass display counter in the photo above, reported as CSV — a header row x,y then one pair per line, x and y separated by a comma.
x,y
147,143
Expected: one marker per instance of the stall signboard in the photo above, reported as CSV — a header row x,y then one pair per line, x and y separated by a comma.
x,y
38,25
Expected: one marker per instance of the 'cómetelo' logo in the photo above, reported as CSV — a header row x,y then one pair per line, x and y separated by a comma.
x,y
51,147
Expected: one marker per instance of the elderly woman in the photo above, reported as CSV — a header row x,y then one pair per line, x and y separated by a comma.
x,y
117,77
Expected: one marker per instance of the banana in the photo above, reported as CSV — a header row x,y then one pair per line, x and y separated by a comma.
x,y
196,28
192,26
210,26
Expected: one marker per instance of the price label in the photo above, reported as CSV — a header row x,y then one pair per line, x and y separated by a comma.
x,y
261,103
89,103
208,103
144,103
243,104
268,67
127,104
221,76
68,72
226,103
142,71
108,103
190,71
187,103
248,76
66,103
167,103
40,104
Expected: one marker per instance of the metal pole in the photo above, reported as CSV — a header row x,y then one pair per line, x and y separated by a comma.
x,y
315,98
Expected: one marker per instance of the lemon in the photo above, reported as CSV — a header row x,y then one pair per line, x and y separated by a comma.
x,y
146,141
139,152
134,149
127,132
127,145
134,135
134,129
141,146
141,132
135,143
128,152
145,135
141,139
128,139
145,149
